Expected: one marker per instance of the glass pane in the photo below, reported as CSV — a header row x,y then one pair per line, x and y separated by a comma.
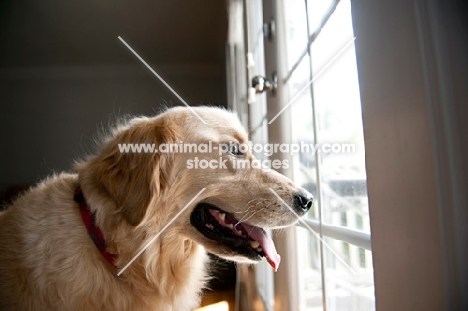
x,y
349,285
296,30
316,10
348,289
336,94
310,280
302,132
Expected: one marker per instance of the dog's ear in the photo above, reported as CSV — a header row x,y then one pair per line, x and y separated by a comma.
x,y
132,179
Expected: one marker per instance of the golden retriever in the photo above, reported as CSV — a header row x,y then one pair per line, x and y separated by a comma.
x,y
50,260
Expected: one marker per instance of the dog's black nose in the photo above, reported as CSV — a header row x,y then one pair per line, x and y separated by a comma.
x,y
303,201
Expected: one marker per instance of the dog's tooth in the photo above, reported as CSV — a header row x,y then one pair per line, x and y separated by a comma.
x,y
239,232
254,244
230,226
222,216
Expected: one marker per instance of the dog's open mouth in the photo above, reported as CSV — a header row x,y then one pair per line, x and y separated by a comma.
x,y
242,238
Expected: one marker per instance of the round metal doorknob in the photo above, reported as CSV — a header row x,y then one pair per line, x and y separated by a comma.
x,y
262,84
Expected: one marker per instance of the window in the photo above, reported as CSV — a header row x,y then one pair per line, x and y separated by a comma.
x,y
322,74
411,67
331,267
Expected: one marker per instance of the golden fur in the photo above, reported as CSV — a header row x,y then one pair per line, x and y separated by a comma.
x,y
48,262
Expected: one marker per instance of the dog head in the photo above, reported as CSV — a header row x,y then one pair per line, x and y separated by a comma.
x,y
198,179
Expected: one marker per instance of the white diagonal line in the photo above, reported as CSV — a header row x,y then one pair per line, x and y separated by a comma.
x,y
162,80
315,233
159,233
313,79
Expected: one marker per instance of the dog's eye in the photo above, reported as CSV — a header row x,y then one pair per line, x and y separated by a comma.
x,y
235,150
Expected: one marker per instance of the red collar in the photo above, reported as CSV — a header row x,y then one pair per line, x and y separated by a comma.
x,y
90,222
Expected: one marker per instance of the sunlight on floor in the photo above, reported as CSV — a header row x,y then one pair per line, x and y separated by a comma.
x,y
220,306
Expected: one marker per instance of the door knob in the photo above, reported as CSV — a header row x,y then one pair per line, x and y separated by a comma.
x,y
262,84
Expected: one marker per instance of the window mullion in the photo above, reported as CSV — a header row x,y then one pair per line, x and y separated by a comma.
x,y
315,120
344,234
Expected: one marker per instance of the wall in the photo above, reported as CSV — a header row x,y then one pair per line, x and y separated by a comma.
x,y
413,73
64,75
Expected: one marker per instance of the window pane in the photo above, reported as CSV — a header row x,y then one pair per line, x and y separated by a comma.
x,y
310,280
336,94
343,177
302,132
348,289
296,30
316,10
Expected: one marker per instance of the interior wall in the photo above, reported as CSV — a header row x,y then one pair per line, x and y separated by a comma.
x,y
64,75
412,68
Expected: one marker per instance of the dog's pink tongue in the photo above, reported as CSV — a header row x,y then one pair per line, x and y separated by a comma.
x,y
266,244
